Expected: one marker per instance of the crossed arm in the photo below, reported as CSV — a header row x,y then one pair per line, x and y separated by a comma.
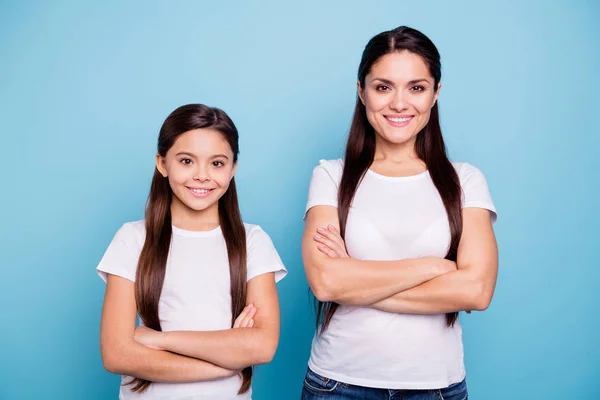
x,y
428,285
188,356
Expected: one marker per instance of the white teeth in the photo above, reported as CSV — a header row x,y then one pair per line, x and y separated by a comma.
x,y
200,191
399,120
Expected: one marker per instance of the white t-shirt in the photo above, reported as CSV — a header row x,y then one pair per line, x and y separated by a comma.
x,y
195,295
393,218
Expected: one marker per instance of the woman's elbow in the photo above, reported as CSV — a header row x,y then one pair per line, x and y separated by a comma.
x,y
481,303
322,293
481,297
321,285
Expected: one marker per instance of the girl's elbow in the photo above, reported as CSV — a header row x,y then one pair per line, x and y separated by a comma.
x,y
113,356
266,350
111,362
265,356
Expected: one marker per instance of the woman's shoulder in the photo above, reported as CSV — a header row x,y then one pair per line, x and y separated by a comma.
x,y
466,170
329,168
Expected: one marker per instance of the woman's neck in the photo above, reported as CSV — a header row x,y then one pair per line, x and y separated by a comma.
x,y
397,159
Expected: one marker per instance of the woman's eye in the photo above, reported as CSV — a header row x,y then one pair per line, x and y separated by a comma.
x,y
417,88
382,88
186,161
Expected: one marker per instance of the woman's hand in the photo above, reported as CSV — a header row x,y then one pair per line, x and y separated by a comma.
x,y
331,242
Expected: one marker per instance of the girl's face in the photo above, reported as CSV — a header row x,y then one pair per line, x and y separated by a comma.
x,y
199,167
398,95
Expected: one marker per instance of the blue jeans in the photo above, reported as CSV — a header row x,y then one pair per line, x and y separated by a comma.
x,y
317,387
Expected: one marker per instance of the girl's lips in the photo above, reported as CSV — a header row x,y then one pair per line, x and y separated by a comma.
x,y
199,193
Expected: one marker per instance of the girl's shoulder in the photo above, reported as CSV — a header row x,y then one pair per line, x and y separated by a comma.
x,y
335,167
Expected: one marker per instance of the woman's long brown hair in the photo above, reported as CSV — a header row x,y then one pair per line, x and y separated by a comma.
x,y
429,146
152,263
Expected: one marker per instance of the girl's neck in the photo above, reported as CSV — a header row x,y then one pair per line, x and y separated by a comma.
x,y
188,219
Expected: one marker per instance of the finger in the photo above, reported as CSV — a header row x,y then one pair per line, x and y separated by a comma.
x,y
331,235
328,251
251,323
249,315
327,242
333,229
241,317
338,250
334,237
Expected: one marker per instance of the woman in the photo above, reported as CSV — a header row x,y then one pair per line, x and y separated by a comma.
x,y
201,280
397,239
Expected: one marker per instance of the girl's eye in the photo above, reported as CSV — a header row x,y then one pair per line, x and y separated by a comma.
x,y
218,163
186,161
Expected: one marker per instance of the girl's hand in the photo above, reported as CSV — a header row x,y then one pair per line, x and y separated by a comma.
x,y
148,337
245,319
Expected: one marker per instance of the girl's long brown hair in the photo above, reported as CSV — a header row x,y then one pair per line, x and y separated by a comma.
x,y
152,263
429,146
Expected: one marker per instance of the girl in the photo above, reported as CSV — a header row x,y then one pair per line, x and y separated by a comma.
x,y
202,281
397,239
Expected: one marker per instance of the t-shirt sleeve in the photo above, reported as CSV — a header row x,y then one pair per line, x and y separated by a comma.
x,y
122,255
262,256
475,190
323,189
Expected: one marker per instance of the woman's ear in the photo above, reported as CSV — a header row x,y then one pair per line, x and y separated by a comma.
x,y
361,92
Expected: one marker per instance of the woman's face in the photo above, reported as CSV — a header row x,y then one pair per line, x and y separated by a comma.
x,y
398,95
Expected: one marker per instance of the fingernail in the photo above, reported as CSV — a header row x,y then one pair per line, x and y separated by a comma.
x,y
318,237
321,229
331,228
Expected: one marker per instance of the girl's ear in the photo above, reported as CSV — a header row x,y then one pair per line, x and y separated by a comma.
x,y
233,170
160,165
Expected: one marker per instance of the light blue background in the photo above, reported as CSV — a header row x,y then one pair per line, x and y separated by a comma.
x,y
85,87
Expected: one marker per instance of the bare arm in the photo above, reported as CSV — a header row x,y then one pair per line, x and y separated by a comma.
x,y
234,348
122,355
471,287
349,281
